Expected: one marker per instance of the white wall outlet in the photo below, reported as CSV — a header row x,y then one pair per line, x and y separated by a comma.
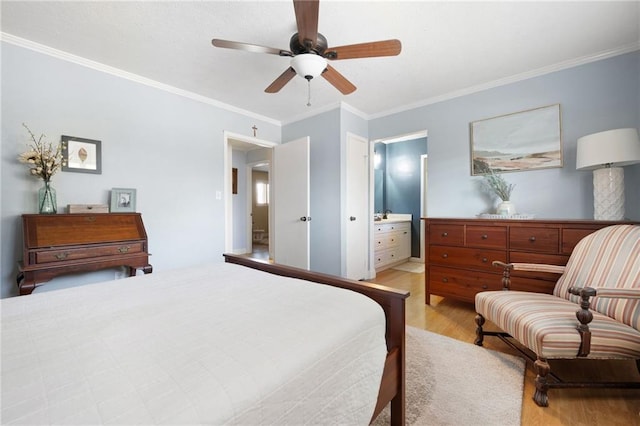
x,y
218,195
121,273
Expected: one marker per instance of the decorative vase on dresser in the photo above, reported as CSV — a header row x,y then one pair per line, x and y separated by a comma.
x,y
459,253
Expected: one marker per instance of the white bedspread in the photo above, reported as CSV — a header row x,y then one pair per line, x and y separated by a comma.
x,y
219,344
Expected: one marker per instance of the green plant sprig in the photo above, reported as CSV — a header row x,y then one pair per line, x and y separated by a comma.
x,y
495,183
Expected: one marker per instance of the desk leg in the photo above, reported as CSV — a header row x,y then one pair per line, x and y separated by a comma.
x,y
24,287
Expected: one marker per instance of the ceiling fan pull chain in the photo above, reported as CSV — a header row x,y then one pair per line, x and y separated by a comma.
x,y
309,92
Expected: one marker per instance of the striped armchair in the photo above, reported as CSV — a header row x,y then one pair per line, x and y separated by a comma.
x,y
593,313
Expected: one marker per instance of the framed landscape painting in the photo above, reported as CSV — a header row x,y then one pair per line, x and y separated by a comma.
x,y
525,140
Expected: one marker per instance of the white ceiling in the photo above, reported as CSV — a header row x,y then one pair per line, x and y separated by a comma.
x,y
448,48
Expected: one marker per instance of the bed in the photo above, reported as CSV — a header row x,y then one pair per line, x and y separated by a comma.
x,y
240,342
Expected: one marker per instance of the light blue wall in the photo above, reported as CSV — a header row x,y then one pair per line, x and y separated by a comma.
x,y
168,147
324,132
594,97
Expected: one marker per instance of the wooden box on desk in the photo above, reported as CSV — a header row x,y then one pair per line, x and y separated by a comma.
x,y
88,208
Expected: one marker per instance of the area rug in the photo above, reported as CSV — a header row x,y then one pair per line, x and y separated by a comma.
x,y
449,382
415,267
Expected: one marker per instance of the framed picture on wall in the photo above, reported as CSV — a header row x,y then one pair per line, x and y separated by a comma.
x,y
519,141
81,155
123,200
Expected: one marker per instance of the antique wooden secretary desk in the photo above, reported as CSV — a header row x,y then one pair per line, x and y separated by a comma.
x,y
60,244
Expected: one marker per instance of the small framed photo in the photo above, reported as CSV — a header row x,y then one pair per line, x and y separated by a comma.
x,y
81,155
123,200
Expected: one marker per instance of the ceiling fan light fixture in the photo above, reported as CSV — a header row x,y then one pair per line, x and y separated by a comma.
x,y
308,65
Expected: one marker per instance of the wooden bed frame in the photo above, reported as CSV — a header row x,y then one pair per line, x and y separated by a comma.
x,y
392,301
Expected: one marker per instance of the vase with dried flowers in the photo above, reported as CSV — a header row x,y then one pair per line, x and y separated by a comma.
x,y
44,160
496,184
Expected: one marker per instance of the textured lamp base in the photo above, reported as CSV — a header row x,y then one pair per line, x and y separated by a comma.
x,y
608,193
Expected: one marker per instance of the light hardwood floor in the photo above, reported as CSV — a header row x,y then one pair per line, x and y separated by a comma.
x,y
566,406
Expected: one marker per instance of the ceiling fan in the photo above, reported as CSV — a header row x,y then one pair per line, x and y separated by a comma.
x,y
309,52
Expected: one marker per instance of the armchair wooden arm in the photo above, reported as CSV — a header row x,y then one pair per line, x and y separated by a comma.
x,y
530,267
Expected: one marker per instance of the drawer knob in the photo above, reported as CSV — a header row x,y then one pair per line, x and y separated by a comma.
x,y
445,255
484,286
532,239
485,260
62,256
124,249
485,236
445,280
445,234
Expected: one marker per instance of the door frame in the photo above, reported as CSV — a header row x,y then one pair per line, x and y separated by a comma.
x,y
229,138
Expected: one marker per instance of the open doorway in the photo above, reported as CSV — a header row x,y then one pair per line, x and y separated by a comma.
x,y
400,182
258,180
243,153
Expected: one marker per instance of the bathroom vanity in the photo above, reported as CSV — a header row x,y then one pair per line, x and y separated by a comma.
x,y
392,241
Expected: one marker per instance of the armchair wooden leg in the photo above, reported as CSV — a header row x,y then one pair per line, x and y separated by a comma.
x,y
542,369
479,333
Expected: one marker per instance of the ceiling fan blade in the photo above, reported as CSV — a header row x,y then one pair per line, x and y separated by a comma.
x,y
307,20
338,80
279,82
365,50
249,47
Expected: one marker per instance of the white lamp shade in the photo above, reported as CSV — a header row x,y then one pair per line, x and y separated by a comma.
x,y
308,65
619,147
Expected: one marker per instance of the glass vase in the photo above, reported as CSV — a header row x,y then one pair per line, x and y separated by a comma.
x,y
47,203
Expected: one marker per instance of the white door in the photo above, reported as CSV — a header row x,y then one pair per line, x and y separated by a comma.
x,y
357,218
290,200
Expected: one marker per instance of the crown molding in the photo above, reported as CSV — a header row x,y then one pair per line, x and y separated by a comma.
x,y
59,54
628,48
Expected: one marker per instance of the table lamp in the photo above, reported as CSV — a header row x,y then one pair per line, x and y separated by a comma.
x,y
606,153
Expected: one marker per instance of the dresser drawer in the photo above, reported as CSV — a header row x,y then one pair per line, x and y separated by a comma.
x,y
462,257
545,240
571,237
539,258
461,284
446,234
59,255
532,285
486,236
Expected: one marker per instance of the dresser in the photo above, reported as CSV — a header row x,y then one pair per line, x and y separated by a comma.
x,y
61,244
459,253
392,244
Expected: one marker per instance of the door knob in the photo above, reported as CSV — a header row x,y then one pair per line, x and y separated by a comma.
x,y
305,218
352,218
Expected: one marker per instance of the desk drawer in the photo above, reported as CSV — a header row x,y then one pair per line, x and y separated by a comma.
x,y
545,240
61,255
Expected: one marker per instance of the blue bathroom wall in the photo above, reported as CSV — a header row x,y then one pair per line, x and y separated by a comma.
x,y
402,183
